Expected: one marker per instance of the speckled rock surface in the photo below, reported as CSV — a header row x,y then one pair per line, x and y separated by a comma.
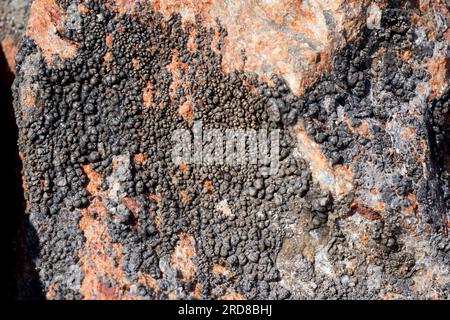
x,y
358,91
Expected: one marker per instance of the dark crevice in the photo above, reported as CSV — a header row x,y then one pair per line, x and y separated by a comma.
x,y
19,267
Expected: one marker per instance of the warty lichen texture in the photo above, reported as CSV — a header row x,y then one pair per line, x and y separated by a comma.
x,y
358,90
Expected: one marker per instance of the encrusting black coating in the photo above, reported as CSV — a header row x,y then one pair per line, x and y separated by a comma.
x,y
92,112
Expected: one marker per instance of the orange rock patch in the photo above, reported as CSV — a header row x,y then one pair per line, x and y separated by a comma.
x,y
100,258
184,196
82,8
407,132
182,166
233,296
154,198
368,213
135,63
147,95
207,184
176,68
186,111
9,49
218,269
291,38
439,69
139,157
43,23
108,40
337,180
362,129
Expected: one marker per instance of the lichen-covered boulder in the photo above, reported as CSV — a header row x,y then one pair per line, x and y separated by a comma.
x,y
352,203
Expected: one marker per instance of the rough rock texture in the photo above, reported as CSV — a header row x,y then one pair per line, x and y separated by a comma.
x,y
358,89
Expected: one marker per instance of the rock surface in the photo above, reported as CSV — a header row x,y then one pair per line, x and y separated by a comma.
x,y
12,20
13,17
358,91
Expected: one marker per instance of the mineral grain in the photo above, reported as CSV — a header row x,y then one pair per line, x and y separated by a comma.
x,y
360,205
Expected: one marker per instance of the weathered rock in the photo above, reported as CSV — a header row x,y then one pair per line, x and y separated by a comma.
x,y
13,15
357,89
